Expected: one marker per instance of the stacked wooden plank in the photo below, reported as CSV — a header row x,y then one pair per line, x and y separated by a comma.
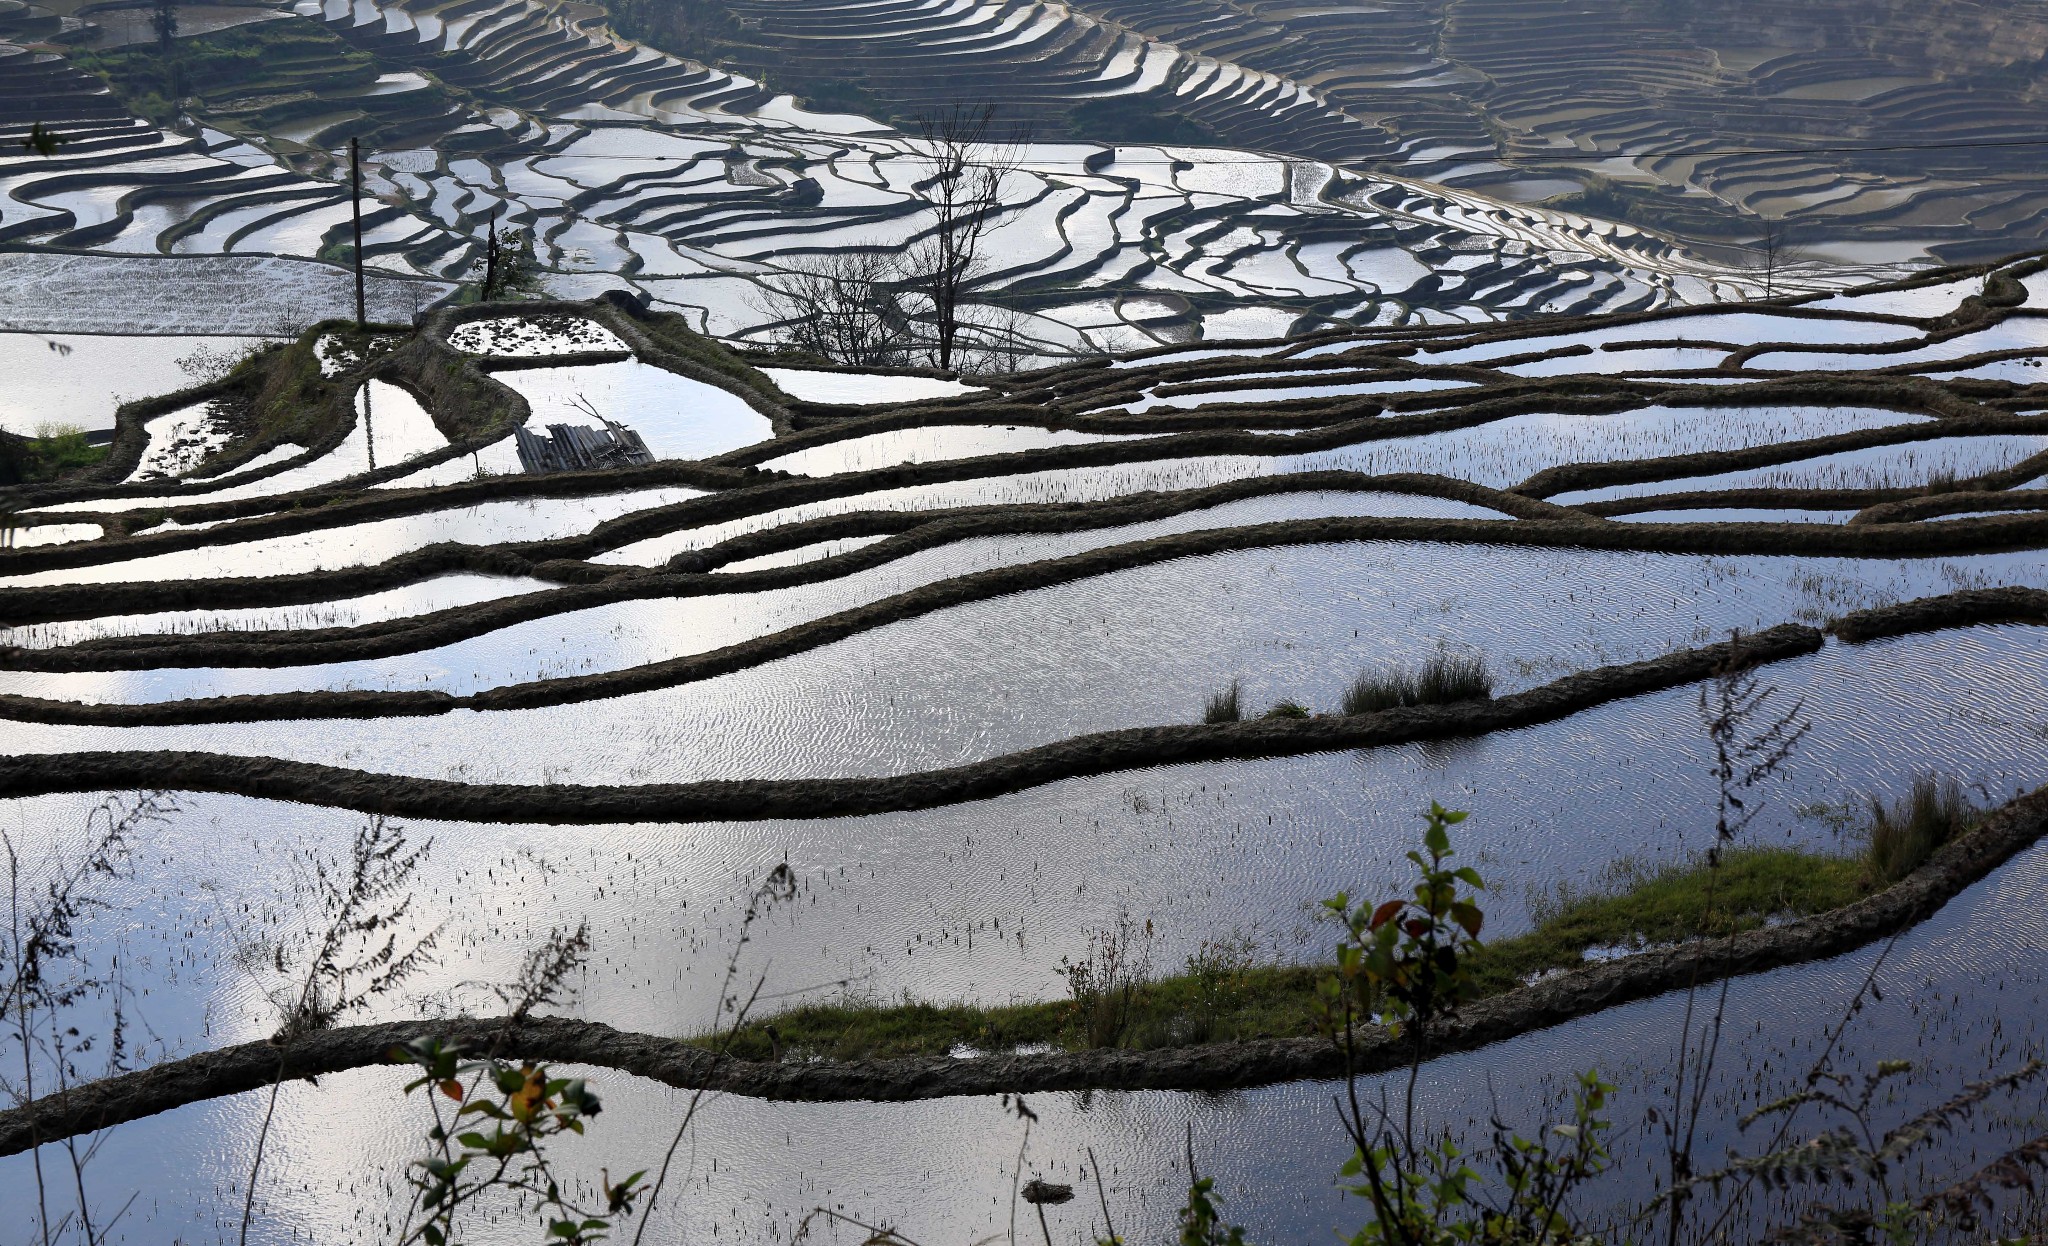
x,y
579,447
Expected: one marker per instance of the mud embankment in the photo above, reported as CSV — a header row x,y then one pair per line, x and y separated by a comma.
x,y
1213,1067
756,799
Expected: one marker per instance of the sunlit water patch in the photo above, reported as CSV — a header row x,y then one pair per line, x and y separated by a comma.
x,y
632,633
421,597
929,444
678,418
27,536
863,388
390,428
349,545
1907,465
179,441
1506,452
893,900
80,379
1130,648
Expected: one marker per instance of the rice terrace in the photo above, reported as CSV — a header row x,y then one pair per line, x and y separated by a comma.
x,y
952,622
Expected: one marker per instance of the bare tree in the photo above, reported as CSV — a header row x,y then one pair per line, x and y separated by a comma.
x,y
966,165
842,306
1768,259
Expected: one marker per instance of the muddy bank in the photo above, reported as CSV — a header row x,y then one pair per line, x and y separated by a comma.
x,y
338,505
755,799
1966,608
1214,1067
1963,501
2028,530
595,584
1555,480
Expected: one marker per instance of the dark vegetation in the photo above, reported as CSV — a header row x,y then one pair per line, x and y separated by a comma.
x,y
54,452
1223,706
1443,679
699,29
268,72
1135,119
1902,834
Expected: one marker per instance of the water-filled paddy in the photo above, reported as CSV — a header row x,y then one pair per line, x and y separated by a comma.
x,y
390,428
982,900
678,418
80,379
422,597
1905,465
661,900
1130,648
633,633
485,523
863,388
929,444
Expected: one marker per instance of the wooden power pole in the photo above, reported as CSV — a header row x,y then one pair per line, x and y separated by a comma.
x,y
355,180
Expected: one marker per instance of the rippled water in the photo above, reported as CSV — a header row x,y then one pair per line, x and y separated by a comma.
x,y
421,597
1132,648
1908,465
485,523
632,633
906,888
1506,452
929,444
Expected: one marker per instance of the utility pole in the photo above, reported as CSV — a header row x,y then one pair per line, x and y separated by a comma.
x,y
369,428
355,180
490,254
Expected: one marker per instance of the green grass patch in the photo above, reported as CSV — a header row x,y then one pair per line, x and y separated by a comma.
x,y
1222,995
1133,119
1675,903
56,450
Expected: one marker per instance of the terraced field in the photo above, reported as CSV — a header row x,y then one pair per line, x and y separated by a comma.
x,y
941,648
634,169
1859,128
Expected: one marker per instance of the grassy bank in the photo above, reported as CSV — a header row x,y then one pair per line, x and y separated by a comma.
x,y
1223,994
55,451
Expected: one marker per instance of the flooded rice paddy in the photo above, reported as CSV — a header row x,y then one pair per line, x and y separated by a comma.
x,y
981,901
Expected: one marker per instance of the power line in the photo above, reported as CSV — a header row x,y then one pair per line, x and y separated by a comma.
x,y
1571,156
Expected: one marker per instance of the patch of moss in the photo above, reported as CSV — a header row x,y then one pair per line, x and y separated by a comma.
x,y
1279,1001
